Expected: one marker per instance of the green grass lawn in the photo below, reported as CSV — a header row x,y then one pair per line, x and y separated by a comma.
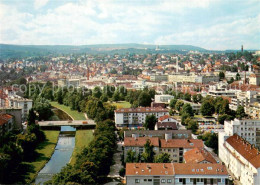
x,y
44,153
83,138
121,104
72,113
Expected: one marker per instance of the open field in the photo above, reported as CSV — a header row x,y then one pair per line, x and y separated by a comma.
x,y
121,104
82,139
72,113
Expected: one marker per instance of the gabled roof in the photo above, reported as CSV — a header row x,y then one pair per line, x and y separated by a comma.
x,y
181,143
140,141
250,153
198,155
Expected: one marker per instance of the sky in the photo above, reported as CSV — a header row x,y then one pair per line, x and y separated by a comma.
x,y
211,24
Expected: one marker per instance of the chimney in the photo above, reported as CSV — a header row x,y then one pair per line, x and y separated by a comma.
x,y
164,166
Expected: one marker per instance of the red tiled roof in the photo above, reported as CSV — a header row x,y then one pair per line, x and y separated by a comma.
x,y
164,117
245,149
4,118
140,141
181,143
149,168
142,109
198,155
171,125
199,169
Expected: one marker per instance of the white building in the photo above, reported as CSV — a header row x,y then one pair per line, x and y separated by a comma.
x,y
23,103
249,129
175,173
135,117
165,98
241,158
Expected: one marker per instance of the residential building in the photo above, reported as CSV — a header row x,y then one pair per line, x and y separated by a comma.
x,y
198,155
177,147
241,158
159,78
253,110
17,115
135,117
165,98
136,144
6,123
249,129
172,134
23,103
175,173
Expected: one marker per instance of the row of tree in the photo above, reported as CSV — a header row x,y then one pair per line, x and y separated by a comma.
x,y
93,163
16,147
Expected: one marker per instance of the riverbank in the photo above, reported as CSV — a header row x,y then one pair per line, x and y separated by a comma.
x,y
44,151
75,115
82,139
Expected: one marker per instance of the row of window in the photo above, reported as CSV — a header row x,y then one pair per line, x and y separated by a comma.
x,y
151,180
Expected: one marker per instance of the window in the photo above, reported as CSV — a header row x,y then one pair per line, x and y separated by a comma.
x,y
209,168
145,180
169,181
150,180
180,180
219,180
137,180
163,181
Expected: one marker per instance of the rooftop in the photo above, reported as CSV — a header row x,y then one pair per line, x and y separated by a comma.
x,y
250,153
140,141
198,155
181,143
141,109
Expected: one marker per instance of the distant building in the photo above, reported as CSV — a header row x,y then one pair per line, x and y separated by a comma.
x,y
175,173
172,134
165,98
135,117
159,78
23,103
17,115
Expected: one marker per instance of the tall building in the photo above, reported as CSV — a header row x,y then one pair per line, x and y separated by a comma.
x,y
241,158
249,129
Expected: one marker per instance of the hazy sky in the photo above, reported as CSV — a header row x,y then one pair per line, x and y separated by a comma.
x,y
212,24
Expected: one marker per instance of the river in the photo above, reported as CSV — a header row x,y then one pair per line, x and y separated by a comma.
x,y
61,155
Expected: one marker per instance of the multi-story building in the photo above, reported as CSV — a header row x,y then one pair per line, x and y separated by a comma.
x,y
174,147
135,117
136,144
6,123
241,158
165,98
249,129
171,134
244,99
253,110
19,102
175,173
159,78
198,155
177,147
193,78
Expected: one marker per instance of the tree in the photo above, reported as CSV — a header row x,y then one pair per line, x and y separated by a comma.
x,y
199,97
195,98
173,103
192,125
187,97
238,77
131,157
144,99
148,154
222,118
116,96
150,121
43,108
187,109
207,109
31,117
212,141
97,92
162,158
178,105
240,112
184,116
221,75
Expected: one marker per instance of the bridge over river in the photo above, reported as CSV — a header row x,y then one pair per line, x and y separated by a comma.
x,y
74,123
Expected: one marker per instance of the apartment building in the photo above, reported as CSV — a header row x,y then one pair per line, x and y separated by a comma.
x,y
193,78
171,134
198,155
136,144
253,110
244,99
165,98
249,129
241,158
135,117
159,78
174,147
175,173
6,123
23,103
